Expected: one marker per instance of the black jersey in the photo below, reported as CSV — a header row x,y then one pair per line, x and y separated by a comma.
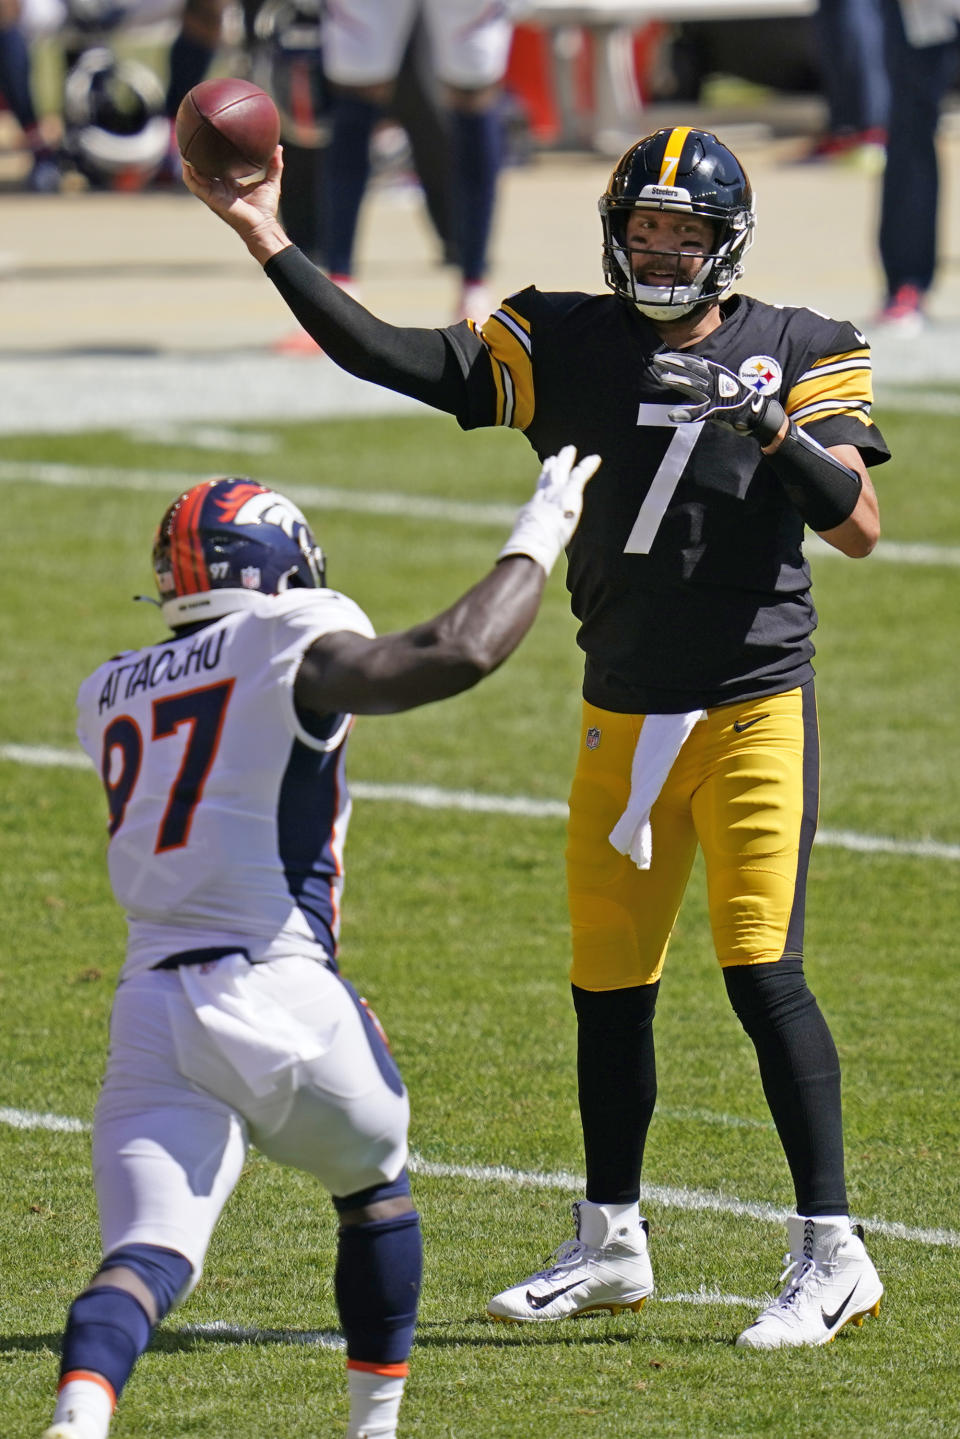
x,y
686,572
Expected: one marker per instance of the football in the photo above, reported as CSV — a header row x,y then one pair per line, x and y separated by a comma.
x,y
228,130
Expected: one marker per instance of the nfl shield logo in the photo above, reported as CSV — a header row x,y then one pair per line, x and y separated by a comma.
x,y
593,737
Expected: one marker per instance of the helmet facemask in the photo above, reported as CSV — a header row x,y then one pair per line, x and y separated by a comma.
x,y
720,267
706,181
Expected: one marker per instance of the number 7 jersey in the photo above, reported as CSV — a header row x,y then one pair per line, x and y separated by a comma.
x,y
686,572
227,817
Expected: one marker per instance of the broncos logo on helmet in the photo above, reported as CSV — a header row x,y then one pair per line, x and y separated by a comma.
x,y
226,539
687,171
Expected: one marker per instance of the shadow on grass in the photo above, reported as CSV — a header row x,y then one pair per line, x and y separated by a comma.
x,y
476,1333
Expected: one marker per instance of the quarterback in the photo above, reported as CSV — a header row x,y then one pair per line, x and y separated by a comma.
x,y
221,750
726,426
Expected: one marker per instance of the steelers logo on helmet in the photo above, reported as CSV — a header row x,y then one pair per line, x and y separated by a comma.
x,y
226,541
682,171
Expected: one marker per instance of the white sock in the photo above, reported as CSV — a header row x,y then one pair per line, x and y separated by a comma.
x,y
87,1404
374,1403
603,1224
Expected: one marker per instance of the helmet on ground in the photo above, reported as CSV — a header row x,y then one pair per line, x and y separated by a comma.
x,y
114,122
226,540
687,171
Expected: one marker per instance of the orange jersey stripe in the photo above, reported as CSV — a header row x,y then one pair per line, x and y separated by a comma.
x,y
671,155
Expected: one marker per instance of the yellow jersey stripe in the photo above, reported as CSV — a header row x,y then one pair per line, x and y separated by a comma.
x,y
837,384
507,337
671,155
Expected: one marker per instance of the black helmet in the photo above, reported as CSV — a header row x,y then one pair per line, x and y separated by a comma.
x,y
689,171
114,123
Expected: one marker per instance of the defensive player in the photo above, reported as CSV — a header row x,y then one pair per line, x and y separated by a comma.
x,y
222,749
725,425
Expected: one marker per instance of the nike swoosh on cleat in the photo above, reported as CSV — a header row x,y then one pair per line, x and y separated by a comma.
x,y
741,725
540,1301
831,1319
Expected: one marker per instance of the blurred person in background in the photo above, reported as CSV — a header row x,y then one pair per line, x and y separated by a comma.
x,y
850,51
923,56
411,142
16,88
363,44
88,29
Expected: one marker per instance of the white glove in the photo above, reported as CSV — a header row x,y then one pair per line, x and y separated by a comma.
x,y
545,524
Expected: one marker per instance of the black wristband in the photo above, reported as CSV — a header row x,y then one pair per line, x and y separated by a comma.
x,y
767,425
821,487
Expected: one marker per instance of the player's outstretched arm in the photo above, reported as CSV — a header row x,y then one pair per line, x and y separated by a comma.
x,y
251,210
415,362
348,673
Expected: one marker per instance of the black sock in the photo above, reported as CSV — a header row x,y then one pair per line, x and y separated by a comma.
x,y
617,1077
800,1073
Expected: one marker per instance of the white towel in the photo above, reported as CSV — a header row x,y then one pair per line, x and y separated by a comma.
x,y
661,739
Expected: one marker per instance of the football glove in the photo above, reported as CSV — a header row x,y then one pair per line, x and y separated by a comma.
x,y
714,393
545,524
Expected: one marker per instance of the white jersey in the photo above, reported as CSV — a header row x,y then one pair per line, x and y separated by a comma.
x,y
227,817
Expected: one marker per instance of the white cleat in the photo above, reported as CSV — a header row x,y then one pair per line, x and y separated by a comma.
x,y
830,1282
63,1430
613,1272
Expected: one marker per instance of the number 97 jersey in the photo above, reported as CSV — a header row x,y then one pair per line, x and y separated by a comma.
x,y
226,816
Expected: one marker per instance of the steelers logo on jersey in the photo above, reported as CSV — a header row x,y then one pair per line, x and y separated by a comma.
x,y
761,374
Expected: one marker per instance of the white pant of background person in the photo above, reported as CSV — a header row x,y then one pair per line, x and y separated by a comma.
x,y
364,40
176,1116
40,18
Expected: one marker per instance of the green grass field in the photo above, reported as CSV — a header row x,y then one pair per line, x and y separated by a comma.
x,y
455,929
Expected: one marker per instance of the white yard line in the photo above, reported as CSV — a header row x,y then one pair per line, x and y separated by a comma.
x,y
433,797
670,1197
419,507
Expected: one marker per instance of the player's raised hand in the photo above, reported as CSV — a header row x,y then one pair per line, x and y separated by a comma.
x,y
711,392
546,523
251,210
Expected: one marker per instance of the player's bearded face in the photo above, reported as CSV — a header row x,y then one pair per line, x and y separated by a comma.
x,y
666,249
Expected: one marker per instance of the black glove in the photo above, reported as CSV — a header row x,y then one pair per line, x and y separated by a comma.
x,y
713,393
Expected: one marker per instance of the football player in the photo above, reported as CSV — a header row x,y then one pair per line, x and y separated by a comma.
x,y
363,47
221,750
726,426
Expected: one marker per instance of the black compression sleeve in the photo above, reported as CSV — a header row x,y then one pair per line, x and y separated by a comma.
x,y
414,362
820,486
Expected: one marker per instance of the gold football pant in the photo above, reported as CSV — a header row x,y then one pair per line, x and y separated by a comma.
x,y
745,788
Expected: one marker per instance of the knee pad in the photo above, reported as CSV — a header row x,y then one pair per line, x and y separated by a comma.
x,y
614,1013
166,1273
395,1188
768,995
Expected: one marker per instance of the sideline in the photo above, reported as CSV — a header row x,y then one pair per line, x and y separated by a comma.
x,y
373,502
433,797
671,1197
